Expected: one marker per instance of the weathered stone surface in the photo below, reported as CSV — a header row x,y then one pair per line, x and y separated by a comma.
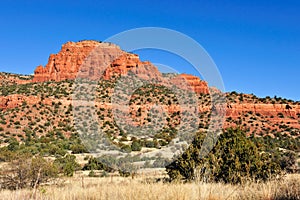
x,y
95,60
187,81
270,112
10,79
67,63
15,100
103,60
131,62
263,109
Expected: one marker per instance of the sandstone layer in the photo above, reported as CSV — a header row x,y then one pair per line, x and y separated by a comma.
x,y
107,61
95,60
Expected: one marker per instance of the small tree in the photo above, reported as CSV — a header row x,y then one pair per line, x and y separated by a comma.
x,y
67,165
96,164
78,148
136,146
234,159
26,171
13,144
42,171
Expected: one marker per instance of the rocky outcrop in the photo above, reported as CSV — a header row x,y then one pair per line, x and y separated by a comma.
x,y
67,63
273,113
15,100
94,60
131,62
271,110
187,81
10,79
107,61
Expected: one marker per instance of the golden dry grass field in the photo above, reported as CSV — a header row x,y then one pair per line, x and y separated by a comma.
x,y
142,188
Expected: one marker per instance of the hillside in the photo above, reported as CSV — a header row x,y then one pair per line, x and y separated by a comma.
x,y
41,104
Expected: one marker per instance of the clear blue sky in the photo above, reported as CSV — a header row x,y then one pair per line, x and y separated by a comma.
x,y
255,44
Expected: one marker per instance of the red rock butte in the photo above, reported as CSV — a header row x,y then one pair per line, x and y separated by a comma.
x,y
105,60
65,64
80,58
77,59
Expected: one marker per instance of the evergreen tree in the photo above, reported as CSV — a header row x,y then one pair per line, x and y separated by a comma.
x,y
234,159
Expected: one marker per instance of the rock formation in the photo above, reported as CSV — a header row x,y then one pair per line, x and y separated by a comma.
x,y
15,100
94,60
67,63
131,62
191,82
10,79
104,60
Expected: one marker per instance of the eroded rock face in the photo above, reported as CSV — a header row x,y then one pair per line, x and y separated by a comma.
x,y
131,62
10,79
67,63
275,113
108,61
187,81
95,60
91,59
15,100
236,110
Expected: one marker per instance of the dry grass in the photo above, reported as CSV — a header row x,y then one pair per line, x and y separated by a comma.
x,y
138,189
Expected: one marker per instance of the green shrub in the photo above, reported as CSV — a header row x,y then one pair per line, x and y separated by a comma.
x,y
126,148
78,148
92,174
67,165
13,144
234,159
136,146
95,164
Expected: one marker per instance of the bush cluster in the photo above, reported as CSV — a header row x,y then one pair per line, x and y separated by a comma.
x,y
234,159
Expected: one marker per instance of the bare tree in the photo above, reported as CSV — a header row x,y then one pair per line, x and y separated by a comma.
x,y
24,171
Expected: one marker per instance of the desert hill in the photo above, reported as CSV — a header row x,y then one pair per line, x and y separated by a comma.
x,y
42,103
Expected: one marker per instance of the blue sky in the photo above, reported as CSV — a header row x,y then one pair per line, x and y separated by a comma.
x,y
255,44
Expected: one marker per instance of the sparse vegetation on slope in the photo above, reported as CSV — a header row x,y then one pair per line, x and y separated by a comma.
x,y
40,129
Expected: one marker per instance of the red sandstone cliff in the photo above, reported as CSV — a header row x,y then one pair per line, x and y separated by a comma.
x,y
66,64
72,60
104,60
15,100
94,60
191,82
131,62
